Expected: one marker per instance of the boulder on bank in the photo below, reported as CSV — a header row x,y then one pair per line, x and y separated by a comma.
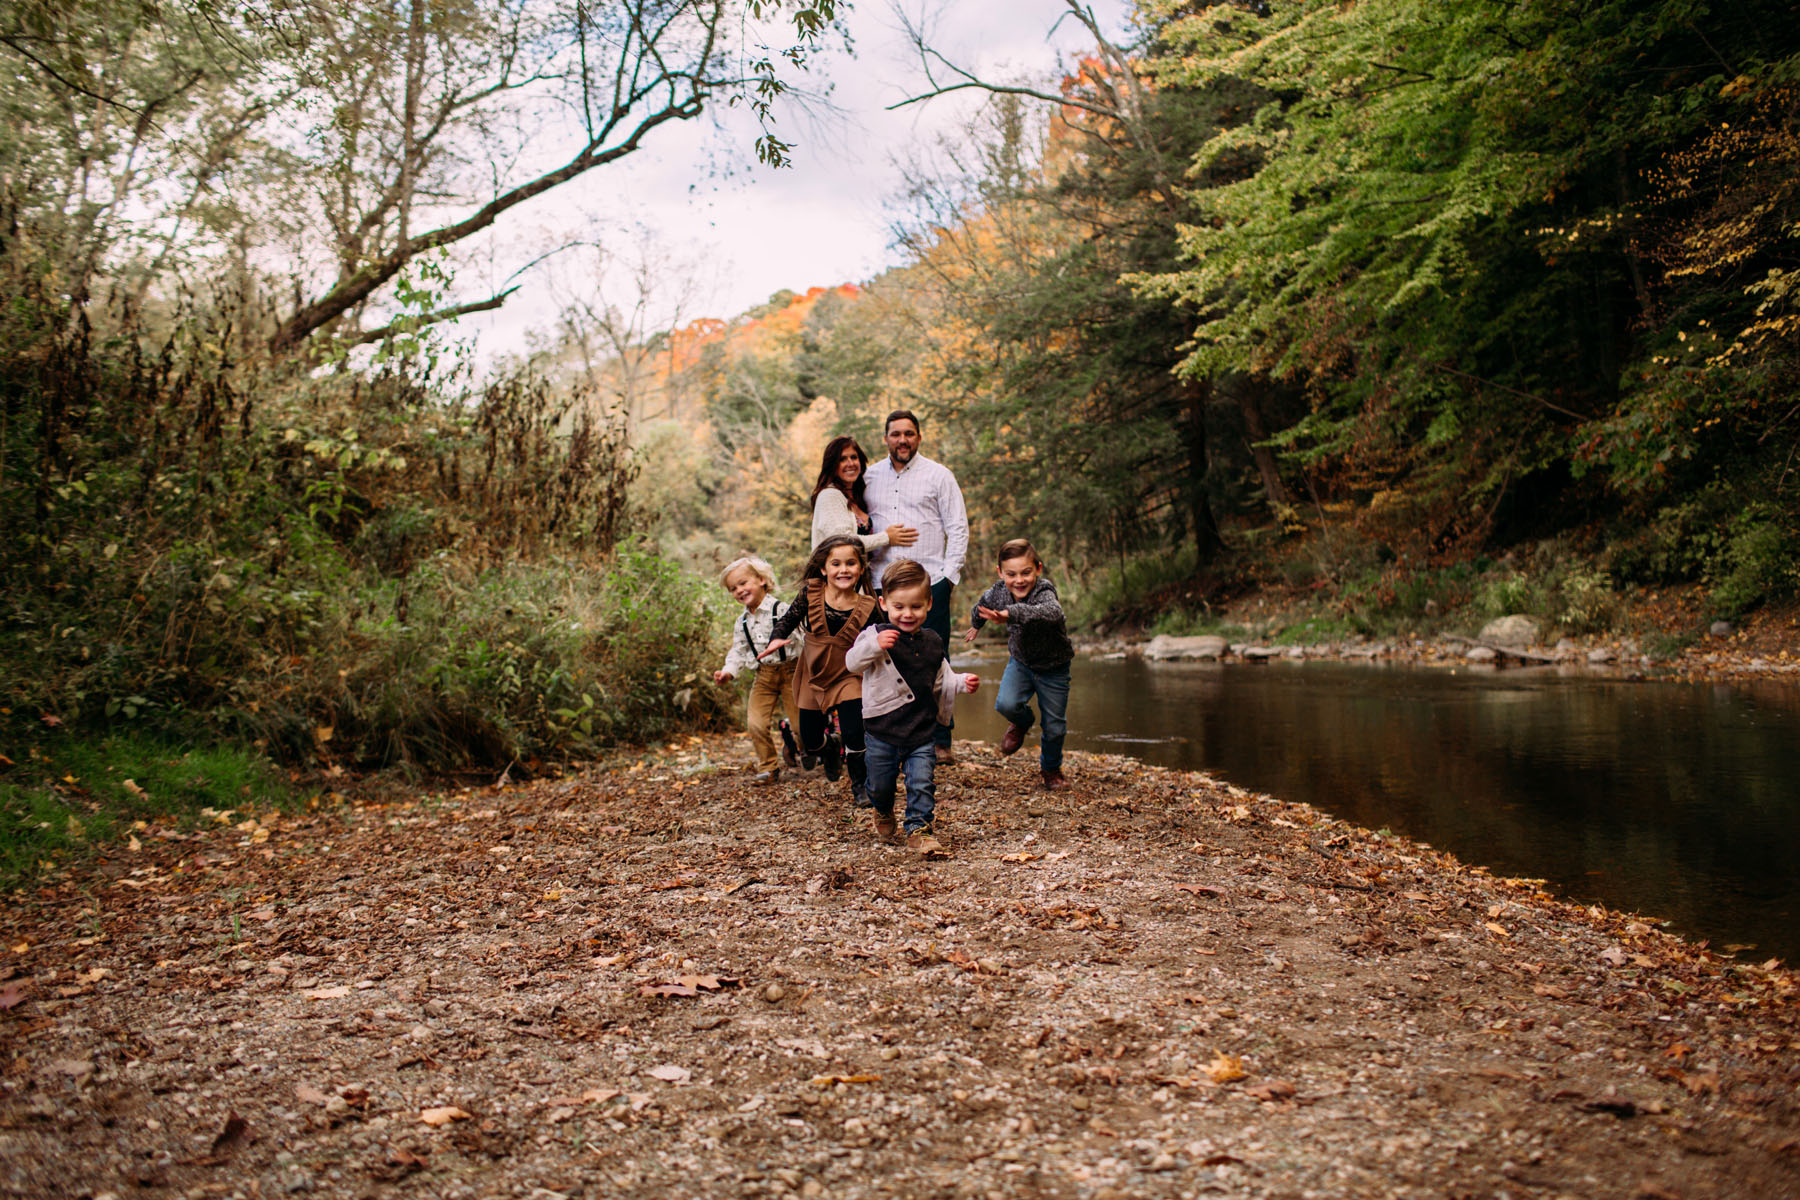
x,y
1163,647
1514,630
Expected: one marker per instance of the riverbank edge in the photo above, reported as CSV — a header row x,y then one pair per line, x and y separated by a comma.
x,y
1618,658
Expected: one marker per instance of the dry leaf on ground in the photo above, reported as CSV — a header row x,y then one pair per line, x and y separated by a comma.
x,y
443,1116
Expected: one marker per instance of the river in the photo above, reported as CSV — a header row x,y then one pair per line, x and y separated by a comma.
x,y
1675,800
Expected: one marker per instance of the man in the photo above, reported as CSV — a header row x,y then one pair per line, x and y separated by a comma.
x,y
906,488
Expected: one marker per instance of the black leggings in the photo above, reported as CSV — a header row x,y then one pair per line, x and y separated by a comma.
x,y
813,740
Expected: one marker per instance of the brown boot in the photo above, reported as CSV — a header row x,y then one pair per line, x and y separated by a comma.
x,y
885,826
1056,781
921,843
1012,739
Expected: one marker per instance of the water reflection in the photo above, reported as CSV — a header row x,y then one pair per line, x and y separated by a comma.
x,y
1672,799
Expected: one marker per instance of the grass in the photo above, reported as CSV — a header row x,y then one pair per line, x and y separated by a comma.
x,y
71,797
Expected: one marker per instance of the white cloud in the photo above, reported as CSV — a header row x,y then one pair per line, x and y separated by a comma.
x,y
823,221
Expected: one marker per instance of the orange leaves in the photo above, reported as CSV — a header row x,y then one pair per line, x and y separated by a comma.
x,y
1225,1068
438,1117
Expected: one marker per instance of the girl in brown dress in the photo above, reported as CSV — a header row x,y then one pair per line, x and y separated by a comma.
x,y
835,603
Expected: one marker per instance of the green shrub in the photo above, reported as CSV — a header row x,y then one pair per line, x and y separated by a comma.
x,y
1760,561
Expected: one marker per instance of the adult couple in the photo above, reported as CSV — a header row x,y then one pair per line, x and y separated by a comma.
x,y
905,506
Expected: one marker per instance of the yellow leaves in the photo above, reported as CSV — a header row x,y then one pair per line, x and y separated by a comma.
x,y
1225,1068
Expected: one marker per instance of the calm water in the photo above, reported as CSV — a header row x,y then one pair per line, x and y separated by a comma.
x,y
1676,800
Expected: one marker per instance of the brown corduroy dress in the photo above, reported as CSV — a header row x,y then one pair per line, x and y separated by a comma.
x,y
822,680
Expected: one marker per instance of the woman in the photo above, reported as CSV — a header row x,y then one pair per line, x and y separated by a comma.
x,y
838,507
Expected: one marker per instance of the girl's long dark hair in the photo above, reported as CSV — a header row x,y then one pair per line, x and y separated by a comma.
x,y
815,566
834,450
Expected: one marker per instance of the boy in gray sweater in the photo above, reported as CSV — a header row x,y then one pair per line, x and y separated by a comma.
x,y
1037,642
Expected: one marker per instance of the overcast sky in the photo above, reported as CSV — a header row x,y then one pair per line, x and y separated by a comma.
x,y
742,231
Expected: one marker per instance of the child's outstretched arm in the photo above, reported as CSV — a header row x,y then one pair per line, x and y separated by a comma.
x,y
740,658
984,610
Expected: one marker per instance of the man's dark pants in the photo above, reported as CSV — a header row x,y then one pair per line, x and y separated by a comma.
x,y
939,619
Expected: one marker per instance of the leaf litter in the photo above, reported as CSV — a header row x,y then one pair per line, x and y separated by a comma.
x,y
1180,988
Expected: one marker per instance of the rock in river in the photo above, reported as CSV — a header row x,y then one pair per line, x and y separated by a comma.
x,y
1516,630
1163,647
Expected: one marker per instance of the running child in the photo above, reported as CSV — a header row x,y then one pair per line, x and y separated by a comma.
x,y
833,607
908,692
750,580
1039,653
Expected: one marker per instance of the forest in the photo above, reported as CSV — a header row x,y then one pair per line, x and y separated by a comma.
x,y
1407,314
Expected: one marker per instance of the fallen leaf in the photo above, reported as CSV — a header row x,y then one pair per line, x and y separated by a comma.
x,y
1275,1089
1496,930
1613,956
443,1116
93,976
1225,1068
261,914
670,1073
12,995
330,993
1020,857
710,983
600,1095
132,786
1551,991
308,1094
666,989
823,1081
1199,889
1219,1160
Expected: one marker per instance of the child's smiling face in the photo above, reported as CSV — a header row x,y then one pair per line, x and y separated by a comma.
x,y
1020,575
747,588
906,607
843,566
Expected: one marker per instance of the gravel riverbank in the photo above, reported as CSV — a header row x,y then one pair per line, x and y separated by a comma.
x,y
650,979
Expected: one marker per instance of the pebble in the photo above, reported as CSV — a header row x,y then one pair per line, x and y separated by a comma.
x,y
889,1053
1079,1103
773,993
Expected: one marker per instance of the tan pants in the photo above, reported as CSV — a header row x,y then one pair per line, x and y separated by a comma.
x,y
770,692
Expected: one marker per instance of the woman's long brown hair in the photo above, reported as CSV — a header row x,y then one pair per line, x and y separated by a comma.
x,y
834,450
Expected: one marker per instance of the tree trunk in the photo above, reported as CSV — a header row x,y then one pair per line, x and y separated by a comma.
x,y
1207,541
1249,401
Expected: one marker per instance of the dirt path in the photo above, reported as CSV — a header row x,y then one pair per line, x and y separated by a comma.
x,y
651,980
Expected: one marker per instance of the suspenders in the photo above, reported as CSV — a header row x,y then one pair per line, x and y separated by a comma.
x,y
781,655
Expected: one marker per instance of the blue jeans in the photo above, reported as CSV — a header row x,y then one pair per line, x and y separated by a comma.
x,y
885,763
939,619
1051,687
